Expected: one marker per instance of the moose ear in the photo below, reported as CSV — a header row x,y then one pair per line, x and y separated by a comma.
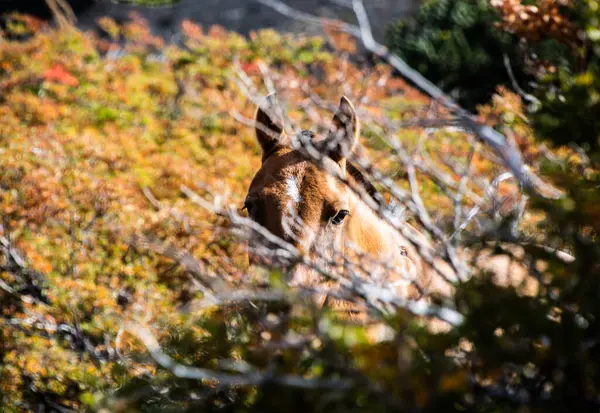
x,y
344,133
269,124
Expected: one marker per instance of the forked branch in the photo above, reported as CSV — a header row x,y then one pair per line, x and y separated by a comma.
x,y
509,154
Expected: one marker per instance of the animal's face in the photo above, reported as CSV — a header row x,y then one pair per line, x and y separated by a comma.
x,y
293,197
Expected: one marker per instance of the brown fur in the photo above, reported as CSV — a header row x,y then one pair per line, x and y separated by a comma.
x,y
290,182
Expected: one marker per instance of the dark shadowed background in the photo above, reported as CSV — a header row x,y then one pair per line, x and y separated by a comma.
x,y
241,16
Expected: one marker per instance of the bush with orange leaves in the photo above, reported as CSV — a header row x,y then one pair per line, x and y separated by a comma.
x,y
104,255
536,22
560,39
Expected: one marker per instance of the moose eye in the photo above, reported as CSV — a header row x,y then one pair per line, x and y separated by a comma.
x,y
338,219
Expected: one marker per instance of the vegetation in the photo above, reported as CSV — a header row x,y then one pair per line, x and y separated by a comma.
x,y
563,39
99,139
454,44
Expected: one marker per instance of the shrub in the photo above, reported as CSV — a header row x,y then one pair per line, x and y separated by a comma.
x,y
98,281
454,44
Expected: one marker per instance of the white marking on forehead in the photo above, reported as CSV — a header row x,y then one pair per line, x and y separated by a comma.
x,y
292,189
332,184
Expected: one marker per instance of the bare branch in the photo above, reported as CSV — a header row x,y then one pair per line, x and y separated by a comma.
x,y
370,292
509,154
248,379
528,97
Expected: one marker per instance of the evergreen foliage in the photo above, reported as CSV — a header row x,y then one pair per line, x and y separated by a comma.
x,y
454,44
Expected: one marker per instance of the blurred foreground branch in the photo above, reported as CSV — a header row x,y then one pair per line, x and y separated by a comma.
x,y
370,292
251,378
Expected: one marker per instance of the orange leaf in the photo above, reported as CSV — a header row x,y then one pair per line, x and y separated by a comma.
x,y
59,74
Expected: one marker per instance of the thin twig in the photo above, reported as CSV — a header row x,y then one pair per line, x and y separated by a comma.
x,y
248,379
509,154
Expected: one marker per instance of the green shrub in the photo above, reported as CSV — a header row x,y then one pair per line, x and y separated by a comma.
x,y
454,43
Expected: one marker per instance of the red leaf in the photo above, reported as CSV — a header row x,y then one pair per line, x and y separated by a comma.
x,y
250,67
59,74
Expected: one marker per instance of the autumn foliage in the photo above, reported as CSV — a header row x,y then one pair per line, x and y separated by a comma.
x,y
534,22
99,135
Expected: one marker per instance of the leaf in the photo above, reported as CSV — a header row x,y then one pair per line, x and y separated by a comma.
x,y
59,74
